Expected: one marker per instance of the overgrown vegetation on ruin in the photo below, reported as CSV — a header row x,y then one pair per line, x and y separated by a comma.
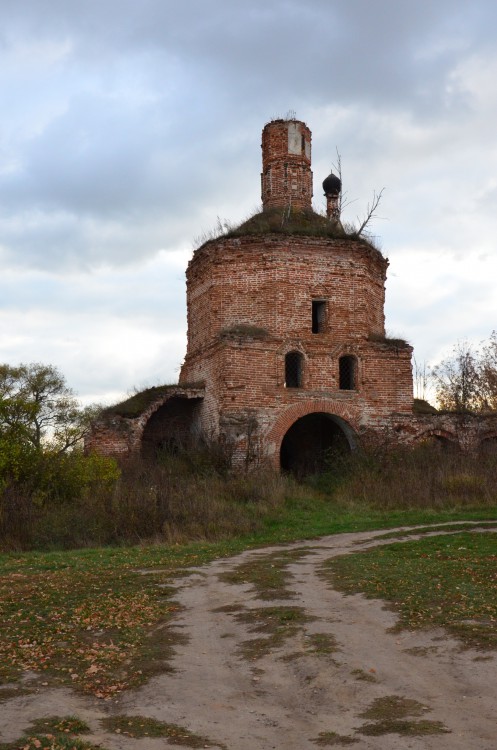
x,y
392,342
52,497
287,221
140,401
430,476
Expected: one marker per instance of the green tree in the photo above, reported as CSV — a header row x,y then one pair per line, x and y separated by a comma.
x,y
48,487
38,410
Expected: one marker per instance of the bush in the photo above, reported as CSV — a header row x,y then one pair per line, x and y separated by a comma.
x,y
74,500
52,501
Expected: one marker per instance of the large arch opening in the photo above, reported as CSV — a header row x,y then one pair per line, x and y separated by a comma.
x,y
170,427
313,442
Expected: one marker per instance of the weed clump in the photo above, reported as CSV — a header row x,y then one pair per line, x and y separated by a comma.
x,y
55,733
393,714
390,341
139,727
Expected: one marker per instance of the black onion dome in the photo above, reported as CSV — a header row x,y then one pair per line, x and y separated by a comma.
x,y
332,185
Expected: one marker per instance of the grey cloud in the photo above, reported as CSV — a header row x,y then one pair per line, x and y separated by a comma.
x,y
320,49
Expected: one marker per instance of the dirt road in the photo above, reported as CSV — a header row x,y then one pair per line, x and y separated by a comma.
x,y
311,668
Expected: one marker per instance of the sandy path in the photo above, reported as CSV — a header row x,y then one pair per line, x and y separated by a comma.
x,y
273,702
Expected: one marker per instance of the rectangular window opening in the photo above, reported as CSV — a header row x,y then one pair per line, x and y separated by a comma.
x,y
318,315
294,370
347,373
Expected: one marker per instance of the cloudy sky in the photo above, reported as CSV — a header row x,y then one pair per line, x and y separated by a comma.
x,y
128,127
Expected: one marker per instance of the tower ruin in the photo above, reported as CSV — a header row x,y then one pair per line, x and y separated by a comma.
x,y
287,359
286,327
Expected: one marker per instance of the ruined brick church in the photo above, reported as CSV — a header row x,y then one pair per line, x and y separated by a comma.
x,y
287,357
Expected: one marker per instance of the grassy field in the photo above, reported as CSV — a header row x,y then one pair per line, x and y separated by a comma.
x,y
94,619
442,581
91,619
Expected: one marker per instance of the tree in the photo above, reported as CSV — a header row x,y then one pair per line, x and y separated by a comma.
x,y
467,381
370,213
421,377
488,373
457,380
38,410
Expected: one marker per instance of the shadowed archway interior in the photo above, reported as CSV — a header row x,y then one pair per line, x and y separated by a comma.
x,y
313,441
170,427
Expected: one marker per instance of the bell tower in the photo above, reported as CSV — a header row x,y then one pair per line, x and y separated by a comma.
x,y
286,178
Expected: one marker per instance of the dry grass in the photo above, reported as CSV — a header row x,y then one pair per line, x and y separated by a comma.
x,y
426,477
176,499
194,496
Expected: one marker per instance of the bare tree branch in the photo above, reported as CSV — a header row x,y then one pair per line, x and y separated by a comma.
x,y
371,211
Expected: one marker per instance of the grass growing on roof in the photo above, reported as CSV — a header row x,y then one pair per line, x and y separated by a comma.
x,y
139,402
289,220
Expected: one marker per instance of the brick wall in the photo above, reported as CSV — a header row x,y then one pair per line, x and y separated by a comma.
x,y
118,434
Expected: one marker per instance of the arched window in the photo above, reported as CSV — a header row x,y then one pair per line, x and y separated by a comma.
x,y
347,367
294,370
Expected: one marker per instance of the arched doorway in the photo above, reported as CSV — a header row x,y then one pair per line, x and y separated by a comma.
x,y
313,441
169,428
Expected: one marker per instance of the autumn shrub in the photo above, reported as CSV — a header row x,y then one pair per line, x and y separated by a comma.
x,y
71,500
55,499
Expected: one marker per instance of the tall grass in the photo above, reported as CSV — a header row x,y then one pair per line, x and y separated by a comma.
x,y
179,498
194,496
429,476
